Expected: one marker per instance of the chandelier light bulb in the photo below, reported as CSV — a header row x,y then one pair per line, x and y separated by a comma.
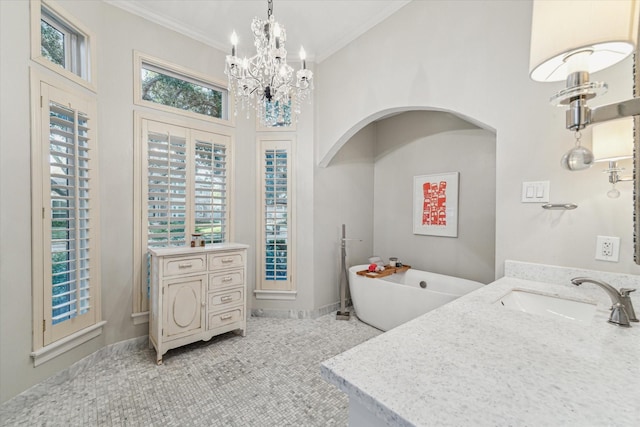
x,y
277,32
234,43
303,57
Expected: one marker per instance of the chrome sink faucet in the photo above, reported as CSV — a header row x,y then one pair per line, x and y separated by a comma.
x,y
621,309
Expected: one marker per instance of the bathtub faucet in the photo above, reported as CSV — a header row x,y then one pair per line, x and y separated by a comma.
x,y
622,308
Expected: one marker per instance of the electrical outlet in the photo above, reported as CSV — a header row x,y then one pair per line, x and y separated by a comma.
x,y
608,248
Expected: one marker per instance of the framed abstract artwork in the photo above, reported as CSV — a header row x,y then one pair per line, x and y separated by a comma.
x,y
435,204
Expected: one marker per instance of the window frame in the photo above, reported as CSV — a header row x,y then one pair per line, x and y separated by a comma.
x,y
285,289
47,343
159,65
140,309
68,25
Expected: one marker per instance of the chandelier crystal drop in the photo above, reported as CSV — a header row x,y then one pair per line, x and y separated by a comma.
x,y
265,81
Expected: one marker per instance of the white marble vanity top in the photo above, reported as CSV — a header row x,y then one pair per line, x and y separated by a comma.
x,y
473,363
187,250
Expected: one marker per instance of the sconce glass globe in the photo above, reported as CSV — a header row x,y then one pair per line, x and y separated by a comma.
x,y
578,158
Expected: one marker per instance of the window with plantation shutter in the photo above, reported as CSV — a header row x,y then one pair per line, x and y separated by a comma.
x,y
210,184
275,270
184,189
70,220
167,188
65,217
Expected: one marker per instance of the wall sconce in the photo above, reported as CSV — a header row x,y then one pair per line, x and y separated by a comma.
x,y
612,142
570,39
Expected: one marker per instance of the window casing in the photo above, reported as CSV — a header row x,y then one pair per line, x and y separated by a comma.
x,y
65,218
169,87
184,183
276,222
60,43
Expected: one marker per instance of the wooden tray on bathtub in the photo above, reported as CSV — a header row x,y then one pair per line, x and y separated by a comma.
x,y
388,271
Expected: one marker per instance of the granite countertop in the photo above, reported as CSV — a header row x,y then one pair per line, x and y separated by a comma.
x,y
474,363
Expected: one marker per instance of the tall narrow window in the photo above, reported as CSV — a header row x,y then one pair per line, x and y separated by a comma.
x,y
210,187
184,190
65,219
167,189
70,220
276,221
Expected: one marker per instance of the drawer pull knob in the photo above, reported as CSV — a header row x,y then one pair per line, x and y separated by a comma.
x,y
226,317
227,279
226,298
185,265
227,260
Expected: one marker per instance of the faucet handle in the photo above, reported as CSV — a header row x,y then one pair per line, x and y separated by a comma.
x,y
626,291
619,315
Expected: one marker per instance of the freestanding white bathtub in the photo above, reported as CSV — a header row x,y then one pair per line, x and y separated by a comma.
x,y
387,302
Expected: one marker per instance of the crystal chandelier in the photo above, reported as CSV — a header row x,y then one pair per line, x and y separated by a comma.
x,y
265,81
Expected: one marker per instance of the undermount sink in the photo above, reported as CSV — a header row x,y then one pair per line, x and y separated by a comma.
x,y
549,306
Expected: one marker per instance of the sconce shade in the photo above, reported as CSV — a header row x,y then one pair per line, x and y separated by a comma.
x,y
604,30
613,141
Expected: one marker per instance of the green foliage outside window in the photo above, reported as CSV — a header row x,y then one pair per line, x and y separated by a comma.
x,y
174,92
52,43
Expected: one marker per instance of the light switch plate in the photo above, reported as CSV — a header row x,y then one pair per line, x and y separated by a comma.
x,y
535,192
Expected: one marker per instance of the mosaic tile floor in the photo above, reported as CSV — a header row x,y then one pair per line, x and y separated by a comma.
x,y
268,378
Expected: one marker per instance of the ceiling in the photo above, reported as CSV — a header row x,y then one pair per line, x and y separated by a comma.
x,y
321,26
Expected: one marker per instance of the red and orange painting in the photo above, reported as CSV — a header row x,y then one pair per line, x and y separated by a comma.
x,y
436,204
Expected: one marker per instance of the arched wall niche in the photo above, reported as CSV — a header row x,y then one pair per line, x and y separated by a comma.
x,y
388,113
367,184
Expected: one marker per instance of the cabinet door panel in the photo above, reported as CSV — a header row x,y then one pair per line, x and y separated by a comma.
x,y
183,306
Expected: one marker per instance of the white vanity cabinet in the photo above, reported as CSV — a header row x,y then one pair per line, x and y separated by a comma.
x,y
196,293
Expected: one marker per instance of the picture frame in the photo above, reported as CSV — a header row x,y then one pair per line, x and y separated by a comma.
x,y
435,204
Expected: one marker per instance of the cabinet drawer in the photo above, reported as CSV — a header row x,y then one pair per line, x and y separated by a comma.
x,y
226,260
219,300
224,318
226,279
184,265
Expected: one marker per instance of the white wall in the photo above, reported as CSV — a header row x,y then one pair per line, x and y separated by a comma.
x,y
471,57
423,143
343,194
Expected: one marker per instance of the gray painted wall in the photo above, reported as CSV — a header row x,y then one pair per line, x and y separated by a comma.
x,y
472,58
343,194
423,143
